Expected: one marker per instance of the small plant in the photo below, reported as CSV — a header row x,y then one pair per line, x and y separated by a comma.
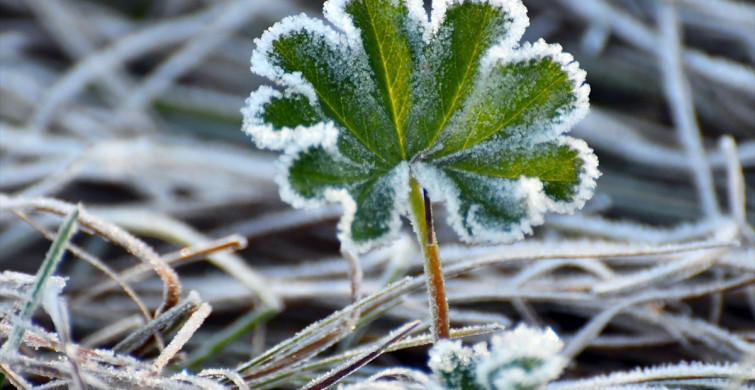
x,y
522,359
397,108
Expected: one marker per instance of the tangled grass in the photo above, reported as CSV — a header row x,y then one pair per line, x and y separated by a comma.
x,y
187,261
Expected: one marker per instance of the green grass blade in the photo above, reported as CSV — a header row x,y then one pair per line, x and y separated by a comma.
x,y
49,265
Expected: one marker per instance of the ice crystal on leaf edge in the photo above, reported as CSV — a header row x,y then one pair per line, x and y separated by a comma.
x,y
338,150
521,358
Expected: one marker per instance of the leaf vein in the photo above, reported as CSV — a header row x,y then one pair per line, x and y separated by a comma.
x,y
350,126
516,114
450,110
389,84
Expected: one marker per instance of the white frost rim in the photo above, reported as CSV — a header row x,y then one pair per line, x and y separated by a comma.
x,y
262,65
335,12
588,175
399,183
265,136
295,141
522,342
442,188
539,50
530,190
514,8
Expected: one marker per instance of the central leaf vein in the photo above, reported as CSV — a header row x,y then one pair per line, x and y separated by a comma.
x,y
457,95
516,115
339,117
390,81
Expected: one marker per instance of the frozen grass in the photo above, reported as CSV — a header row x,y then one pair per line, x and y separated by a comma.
x,y
134,113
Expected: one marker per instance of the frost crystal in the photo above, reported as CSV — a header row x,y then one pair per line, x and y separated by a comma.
x,y
452,100
453,365
522,359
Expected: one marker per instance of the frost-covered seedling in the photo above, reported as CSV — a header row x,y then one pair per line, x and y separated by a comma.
x,y
454,365
391,106
522,359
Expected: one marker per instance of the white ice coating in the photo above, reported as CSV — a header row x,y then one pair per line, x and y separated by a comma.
x,y
443,354
446,356
262,65
347,40
398,182
266,137
290,195
505,54
526,189
523,342
513,8
588,174
441,188
334,11
501,365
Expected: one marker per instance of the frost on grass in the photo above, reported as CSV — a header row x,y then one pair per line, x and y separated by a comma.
x,y
451,100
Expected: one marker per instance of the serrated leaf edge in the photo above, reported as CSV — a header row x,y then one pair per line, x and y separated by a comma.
x,y
265,136
588,175
335,12
300,139
508,55
514,8
539,50
262,66
400,184
442,188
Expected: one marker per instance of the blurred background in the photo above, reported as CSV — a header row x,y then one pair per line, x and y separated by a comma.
x,y
131,107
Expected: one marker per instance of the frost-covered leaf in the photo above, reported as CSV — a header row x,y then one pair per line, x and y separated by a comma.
x,y
520,359
453,365
451,100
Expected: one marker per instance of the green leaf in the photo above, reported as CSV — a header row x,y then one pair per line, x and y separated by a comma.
x,y
453,365
468,30
290,111
452,100
536,90
386,42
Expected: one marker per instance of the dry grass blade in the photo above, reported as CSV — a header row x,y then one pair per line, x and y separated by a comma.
x,y
344,370
175,259
135,114
161,323
82,254
182,337
171,283
320,334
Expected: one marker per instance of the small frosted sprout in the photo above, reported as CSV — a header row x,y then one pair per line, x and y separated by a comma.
x,y
453,365
523,359
390,108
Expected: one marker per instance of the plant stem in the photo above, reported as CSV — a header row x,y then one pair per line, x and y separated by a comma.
x,y
422,219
